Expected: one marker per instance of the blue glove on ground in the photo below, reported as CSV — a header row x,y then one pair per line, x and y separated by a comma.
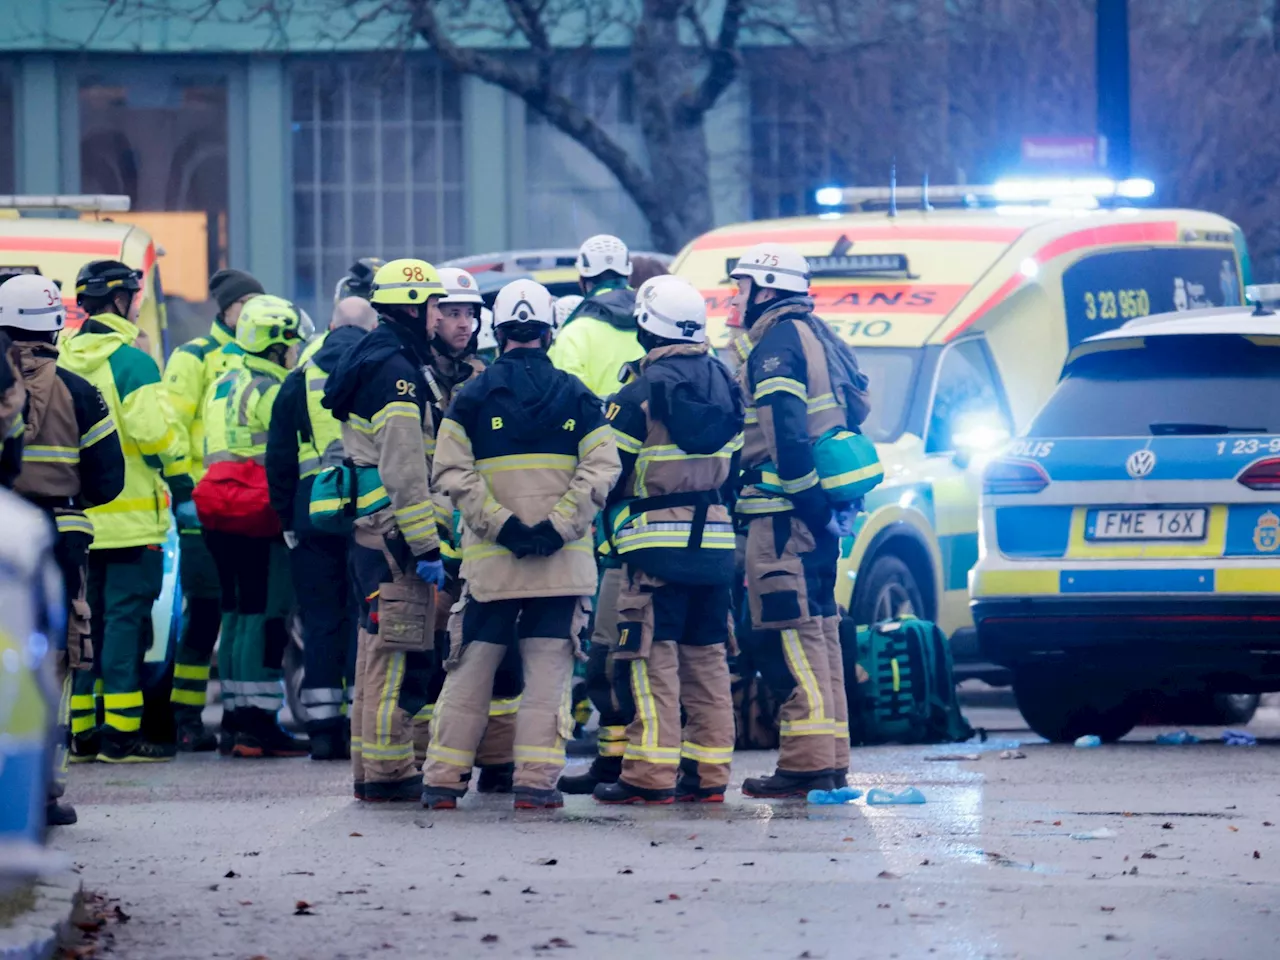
x,y
432,571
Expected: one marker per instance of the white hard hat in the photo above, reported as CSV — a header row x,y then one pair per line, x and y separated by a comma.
x,y
671,308
774,265
459,286
564,308
32,302
603,252
485,340
523,301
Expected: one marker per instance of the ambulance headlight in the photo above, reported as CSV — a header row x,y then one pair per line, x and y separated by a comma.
x,y
978,437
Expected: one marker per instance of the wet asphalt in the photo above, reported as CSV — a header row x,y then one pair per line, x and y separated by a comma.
x,y
211,857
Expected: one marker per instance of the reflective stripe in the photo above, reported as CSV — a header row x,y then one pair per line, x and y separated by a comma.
x,y
803,672
527,461
798,485
317,695
483,551
394,751
805,728
755,506
666,756
432,288
125,724
104,427
781,385
324,711
260,702
191,671
309,466
695,751
268,687
454,758
823,401
611,741
426,714
122,701
82,722
853,476
130,505
504,708
47,453
593,439
73,523
528,754
453,429
396,408
188,698
388,698
646,709
626,443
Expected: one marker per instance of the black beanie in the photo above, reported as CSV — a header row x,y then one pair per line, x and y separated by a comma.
x,y
228,286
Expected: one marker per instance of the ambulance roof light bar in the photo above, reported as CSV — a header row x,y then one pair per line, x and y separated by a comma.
x,y
1002,191
83,202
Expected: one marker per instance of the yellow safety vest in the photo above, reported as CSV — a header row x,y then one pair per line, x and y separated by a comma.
x,y
324,448
238,412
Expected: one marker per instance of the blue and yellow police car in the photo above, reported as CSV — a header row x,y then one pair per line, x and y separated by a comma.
x,y
1129,540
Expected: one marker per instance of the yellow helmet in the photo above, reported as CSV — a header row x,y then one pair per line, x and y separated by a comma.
x,y
267,320
406,283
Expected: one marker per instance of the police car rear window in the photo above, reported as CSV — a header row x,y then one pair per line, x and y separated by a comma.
x,y
1191,384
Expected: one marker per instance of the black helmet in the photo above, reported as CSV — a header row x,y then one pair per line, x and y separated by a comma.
x,y
359,279
99,279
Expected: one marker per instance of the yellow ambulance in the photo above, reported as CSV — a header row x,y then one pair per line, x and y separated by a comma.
x,y
962,314
57,247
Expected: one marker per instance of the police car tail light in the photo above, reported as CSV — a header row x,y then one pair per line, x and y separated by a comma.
x,y
1263,475
1007,476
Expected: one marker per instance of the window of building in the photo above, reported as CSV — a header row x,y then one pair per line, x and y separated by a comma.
x,y
377,168
570,194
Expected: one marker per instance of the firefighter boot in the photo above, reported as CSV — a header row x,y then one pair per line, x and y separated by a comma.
x,y
59,814
392,791
227,732
329,740
689,788
496,778
622,792
260,735
441,798
190,733
603,771
531,798
786,786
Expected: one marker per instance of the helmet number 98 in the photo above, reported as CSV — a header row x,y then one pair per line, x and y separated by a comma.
x,y
414,273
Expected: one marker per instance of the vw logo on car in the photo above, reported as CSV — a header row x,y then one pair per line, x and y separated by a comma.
x,y
1140,464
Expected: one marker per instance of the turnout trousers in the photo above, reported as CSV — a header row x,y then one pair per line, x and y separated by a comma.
x,y
612,738
544,631
71,552
202,596
795,641
328,613
122,585
393,668
672,652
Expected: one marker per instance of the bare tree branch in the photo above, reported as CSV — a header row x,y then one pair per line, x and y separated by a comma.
x,y
722,67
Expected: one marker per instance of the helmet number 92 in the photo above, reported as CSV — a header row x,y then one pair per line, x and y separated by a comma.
x,y
414,273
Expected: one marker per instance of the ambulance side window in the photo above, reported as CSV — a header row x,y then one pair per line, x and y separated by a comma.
x,y
968,403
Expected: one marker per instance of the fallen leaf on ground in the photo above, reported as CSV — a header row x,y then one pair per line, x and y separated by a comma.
x,y
302,909
1166,826
1256,856
1267,823
1057,823
457,917
1233,829
626,870
886,875
673,896
846,839
1107,909
245,903
529,890
354,834
230,875
1148,855
546,862
489,938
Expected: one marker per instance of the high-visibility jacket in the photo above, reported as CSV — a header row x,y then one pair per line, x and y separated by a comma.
x,y
189,375
304,436
72,457
238,412
678,428
599,338
129,381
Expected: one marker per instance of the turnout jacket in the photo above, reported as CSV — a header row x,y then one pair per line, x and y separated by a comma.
x,y
678,427
447,376
793,398
304,437
380,394
71,457
527,440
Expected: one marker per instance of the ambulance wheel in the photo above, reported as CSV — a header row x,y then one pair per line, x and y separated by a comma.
x,y
886,590
1062,708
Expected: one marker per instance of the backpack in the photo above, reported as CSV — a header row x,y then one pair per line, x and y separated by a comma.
x,y
232,497
900,684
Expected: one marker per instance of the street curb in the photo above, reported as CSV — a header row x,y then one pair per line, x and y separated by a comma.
x,y
34,935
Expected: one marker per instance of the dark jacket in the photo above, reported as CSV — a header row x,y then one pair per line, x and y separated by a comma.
x,y
290,423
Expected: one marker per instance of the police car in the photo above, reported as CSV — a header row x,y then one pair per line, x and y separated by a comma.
x,y
1129,541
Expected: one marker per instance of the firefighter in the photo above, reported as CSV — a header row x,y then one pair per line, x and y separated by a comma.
x,y
12,398
800,383
380,394
678,428
126,558
302,440
359,280
190,373
454,363
527,457
71,460
244,534
599,335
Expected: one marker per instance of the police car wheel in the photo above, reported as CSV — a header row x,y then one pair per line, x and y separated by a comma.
x,y
887,590
1062,707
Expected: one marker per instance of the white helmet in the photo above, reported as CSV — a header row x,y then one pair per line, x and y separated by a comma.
x,y
603,252
774,265
564,308
672,308
459,286
485,340
523,301
32,302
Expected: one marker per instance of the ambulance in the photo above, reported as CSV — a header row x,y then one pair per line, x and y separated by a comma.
x,y
33,241
962,304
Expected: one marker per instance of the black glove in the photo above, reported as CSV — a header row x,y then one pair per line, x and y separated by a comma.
x,y
546,540
516,537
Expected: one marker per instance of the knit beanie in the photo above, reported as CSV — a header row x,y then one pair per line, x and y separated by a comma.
x,y
228,286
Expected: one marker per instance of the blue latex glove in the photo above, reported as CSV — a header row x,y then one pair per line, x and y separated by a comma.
x,y
841,523
185,514
432,571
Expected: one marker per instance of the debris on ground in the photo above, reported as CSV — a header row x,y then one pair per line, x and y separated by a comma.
x,y
1088,741
1102,833
1177,739
1012,755
1239,738
836,796
956,756
879,797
